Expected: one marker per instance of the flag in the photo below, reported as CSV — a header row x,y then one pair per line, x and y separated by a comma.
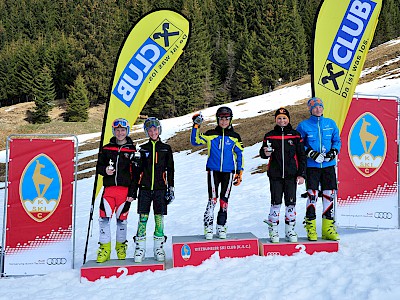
x,y
147,54
343,33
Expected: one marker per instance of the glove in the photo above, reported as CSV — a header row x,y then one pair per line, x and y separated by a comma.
x,y
197,119
331,154
315,155
170,195
237,179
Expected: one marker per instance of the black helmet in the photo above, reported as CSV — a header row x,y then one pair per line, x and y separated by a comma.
x,y
224,111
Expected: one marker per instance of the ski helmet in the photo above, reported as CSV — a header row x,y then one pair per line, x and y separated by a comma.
x,y
152,122
120,122
224,111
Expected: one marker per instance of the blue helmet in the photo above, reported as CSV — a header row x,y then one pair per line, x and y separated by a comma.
x,y
152,122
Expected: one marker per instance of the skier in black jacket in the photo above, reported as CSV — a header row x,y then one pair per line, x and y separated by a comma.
x,y
156,185
286,168
116,164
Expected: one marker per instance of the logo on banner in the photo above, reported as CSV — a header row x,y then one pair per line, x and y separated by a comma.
x,y
186,252
346,53
40,188
147,61
367,144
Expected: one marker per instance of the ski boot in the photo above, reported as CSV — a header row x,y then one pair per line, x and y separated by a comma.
x,y
221,231
329,230
311,228
208,232
140,249
104,252
159,253
291,235
273,232
121,249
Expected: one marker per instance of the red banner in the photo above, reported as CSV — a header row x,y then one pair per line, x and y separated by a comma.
x,y
367,169
38,236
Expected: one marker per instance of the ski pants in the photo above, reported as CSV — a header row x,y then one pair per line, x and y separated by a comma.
x,y
216,180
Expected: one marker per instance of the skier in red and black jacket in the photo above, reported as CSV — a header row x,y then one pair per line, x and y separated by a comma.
x,y
116,163
286,168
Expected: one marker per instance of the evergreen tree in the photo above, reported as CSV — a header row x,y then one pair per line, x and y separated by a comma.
x,y
298,42
27,66
77,101
44,94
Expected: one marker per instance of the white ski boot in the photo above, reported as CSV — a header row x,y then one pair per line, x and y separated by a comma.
x,y
273,232
140,249
291,235
159,253
221,231
208,232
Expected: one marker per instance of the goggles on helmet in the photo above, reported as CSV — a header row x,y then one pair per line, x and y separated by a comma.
x,y
151,122
122,123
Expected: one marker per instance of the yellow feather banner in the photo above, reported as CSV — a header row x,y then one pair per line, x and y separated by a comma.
x,y
343,34
147,54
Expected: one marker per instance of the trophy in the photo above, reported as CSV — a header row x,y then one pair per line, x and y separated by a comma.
x,y
269,148
111,165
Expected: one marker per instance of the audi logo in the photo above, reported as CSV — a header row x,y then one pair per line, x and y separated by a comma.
x,y
273,253
56,261
383,215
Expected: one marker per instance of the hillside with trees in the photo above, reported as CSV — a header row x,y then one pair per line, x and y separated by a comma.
x,y
59,49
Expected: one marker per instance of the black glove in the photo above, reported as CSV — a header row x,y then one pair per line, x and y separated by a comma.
x,y
198,119
315,155
331,155
170,195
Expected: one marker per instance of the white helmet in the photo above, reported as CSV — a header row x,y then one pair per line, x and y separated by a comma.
x,y
120,122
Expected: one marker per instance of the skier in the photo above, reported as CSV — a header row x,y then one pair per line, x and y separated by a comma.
x,y
322,144
284,148
224,166
116,163
156,185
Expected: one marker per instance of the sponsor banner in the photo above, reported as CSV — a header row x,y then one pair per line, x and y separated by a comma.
x,y
367,168
343,34
39,212
148,53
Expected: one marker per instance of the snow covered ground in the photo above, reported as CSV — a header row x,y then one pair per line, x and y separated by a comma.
x,y
366,266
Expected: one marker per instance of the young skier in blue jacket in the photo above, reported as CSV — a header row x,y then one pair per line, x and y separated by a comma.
x,y
224,166
322,144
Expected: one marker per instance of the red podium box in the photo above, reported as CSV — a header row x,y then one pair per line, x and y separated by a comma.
x,y
92,270
193,250
303,245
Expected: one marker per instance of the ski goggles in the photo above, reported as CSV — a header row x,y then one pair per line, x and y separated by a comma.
x,y
151,123
120,123
228,118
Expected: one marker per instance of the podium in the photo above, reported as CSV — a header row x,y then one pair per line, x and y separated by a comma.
x,y
193,250
303,245
93,271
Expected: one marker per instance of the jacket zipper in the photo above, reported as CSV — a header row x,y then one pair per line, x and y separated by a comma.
x,y
222,148
283,154
320,138
116,166
153,165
